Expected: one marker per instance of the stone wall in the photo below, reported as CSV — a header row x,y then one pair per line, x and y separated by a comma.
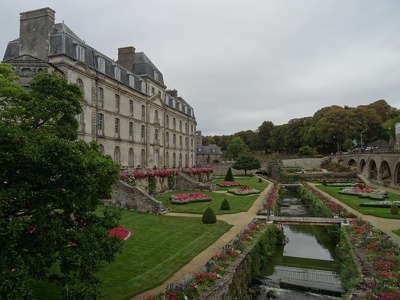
x,y
161,185
125,194
185,182
306,163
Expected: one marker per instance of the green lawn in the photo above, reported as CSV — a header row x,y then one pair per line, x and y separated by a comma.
x,y
397,232
237,203
354,202
158,247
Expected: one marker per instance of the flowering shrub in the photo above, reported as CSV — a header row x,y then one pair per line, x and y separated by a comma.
x,y
189,197
383,204
228,183
197,170
131,177
375,194
122,233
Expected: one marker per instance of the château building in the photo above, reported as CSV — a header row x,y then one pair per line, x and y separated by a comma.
x,y
126,107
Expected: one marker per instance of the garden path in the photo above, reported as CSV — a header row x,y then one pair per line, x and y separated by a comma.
x,y
385,225
239,222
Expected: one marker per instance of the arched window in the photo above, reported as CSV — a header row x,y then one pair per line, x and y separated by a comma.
x,y
117,103
131,161
131,130
156,117
180,125
143,112
117,155
167,121
101,148
174,123
143,158
131,108
167,159
80,119
166,139
156,159
79,83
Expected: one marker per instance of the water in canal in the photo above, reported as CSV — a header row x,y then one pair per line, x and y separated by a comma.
x,y
305,260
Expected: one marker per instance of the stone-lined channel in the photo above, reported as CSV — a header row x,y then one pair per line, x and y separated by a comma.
x,y
304,267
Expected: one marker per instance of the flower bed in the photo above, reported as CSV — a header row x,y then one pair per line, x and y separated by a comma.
x,y
243,191
380,204
228,183
189,198
374,194
269,202
122,233
384,254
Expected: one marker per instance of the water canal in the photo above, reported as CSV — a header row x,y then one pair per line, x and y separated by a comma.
x,y
304,267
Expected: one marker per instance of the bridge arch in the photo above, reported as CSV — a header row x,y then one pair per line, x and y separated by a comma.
x,y
372,170
384,172
362,167
353,164
396,174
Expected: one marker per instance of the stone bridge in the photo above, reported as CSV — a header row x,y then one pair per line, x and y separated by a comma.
x,y
379,168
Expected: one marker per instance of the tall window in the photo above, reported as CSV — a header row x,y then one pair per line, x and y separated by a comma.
x,y
116,126
80,121
100,124
180,141
180,126
79,83
131,157
143,112
174,123
143,132
174,140
100,98
156,117
167,121
117,103
143,86
80,53
156,134
131,108
167,139
117,155
131,130
101,63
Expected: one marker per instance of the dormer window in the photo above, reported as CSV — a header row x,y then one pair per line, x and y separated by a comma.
x,y
101,63
143,86
117,73
80,53
131,81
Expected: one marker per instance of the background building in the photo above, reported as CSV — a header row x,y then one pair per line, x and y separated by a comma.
x,y
125,106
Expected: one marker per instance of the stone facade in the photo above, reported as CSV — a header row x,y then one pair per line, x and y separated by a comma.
x,y
126,107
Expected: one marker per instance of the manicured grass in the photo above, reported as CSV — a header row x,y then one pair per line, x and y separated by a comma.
x,y
158,247
397,232
354,202
237,203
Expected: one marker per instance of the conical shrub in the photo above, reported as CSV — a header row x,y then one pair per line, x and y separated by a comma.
x,y
209,216
394,210
229,175
225,205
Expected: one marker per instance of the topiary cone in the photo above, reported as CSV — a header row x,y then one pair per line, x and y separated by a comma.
x,y
209,216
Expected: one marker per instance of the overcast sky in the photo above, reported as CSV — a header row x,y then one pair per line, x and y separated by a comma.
x,y
239,63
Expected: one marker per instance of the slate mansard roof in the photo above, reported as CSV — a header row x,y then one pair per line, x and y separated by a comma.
x,y
63,41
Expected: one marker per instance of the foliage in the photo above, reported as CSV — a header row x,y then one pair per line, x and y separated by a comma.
x,y
264,135
307,151
349,271
394,209
229,175
225,205
152,185
209,216
246,161
235,147
50,186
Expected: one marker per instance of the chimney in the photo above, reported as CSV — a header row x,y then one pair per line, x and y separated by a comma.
x,y
34,33
126,57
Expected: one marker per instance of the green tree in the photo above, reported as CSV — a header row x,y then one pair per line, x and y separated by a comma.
x,y
229,175
307,151
235,147
50,186
246,161
209,216
264,135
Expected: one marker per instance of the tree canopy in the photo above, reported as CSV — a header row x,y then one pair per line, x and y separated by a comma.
x,y
50,186
235,147
246,161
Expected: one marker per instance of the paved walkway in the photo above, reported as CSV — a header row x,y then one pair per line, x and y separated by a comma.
x,y
241,220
